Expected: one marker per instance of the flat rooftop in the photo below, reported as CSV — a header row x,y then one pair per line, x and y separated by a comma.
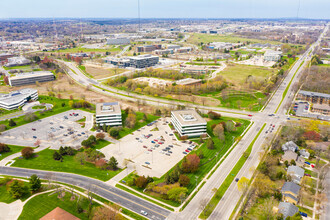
x,y
188,81
188,117
31,74
108,108
15,96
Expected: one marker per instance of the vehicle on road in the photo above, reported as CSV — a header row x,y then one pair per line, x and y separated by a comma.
x,y
250,115
35,137
237,179
184,152
144,213
33,129
147,163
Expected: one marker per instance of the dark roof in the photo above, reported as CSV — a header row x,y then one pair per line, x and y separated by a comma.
x,y
291,187
287,209
59,214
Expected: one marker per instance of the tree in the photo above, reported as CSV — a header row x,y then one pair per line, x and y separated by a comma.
x,y
190,163
81,157
2,127
12,123
57,156
177,194
210,144
296,216
184,180
35,183
17,189
100,136
141,182
230,126
263,185
312,135
130,120
114,132
27,152
213,115
113,163
243,184
110,212
219,132
293,162
30,117
101,163
4,148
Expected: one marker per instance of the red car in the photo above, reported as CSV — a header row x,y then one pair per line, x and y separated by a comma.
x,y
150,150
70,114
312,165
144,146
250,115
273,126
306,174
160,142
187,151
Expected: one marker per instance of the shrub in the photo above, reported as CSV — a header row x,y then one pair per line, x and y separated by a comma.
x,y
141,182
12,123
57,156
213,115
27,152
100,136
184,180
4,148
114,132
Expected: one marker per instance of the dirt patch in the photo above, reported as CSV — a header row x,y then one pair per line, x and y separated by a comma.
x,y
102,72
207,101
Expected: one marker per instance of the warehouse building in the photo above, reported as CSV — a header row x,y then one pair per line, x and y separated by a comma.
x,y
17,61
17,98
118,41
31,78
188,123
272,55
108,114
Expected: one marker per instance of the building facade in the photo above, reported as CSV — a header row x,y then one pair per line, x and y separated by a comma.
x,y
31,78
272,55
118,41
143,61
17,61
18,98
188,123
108,114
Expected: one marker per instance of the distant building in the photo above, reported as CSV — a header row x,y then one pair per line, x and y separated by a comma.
x,y
143,61
290,145
304,153
17,61
189,82
17,98
290,192
161,52
59,214
108,114
79,55
118,41
272,55
5,56
195,69
148,48
188,123
30,78
287,209
183,50
296,173
173,47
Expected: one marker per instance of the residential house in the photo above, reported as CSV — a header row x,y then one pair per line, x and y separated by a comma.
x,y
59,214
290,146
290,192
296,173
304,153
289,155
287,209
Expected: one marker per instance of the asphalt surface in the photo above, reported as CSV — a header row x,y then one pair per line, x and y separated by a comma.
x,y
100,188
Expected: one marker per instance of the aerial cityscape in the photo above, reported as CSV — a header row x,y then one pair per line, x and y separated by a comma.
x,y
177,110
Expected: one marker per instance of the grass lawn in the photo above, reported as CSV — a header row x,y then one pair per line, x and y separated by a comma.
x,y
7,198
26,68
210,156
238,73
311,182
13,149
307,211
59,106
139,123
6,112
197,38
45,161
312,173
229,179
101,144
42,204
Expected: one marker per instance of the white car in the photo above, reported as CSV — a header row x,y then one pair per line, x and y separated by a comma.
x,y
144,213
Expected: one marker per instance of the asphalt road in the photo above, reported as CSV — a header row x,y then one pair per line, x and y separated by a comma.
x,y
100,188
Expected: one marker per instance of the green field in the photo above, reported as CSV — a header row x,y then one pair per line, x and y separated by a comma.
x,y
13,149
42,204
101,144
59,106
197,38
238,73
211,157
7,198
45,161
26,68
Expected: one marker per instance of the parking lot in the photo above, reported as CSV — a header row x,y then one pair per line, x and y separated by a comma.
x,y
54,131
152,150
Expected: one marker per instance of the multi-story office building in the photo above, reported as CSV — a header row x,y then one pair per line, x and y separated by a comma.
x,y
161,52
108,114
118,41
143,61
17,98
5,56
188,123
173,47
148,48
314,97
31,78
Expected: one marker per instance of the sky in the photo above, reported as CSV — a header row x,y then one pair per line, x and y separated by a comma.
x,y
315,9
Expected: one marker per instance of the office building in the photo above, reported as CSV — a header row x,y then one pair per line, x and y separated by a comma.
x,y
188,123
30,78
183,50
17,61
143,61
17,98
148,48
5,56
173,47
163,52
108,114
314,97
118,41
272,55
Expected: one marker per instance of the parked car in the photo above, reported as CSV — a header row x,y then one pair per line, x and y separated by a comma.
x,y
35,137
79,134
184,152
167,154
187,151
250,115
308,163
150,150
33,129
237,179
306,174
170,151
303,214
147,163
144,146
153,142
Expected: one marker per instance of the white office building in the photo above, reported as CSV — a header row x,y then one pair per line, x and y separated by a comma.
x,y
30,78
272,55
17,61
17,98
108,114
118,41
188,123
